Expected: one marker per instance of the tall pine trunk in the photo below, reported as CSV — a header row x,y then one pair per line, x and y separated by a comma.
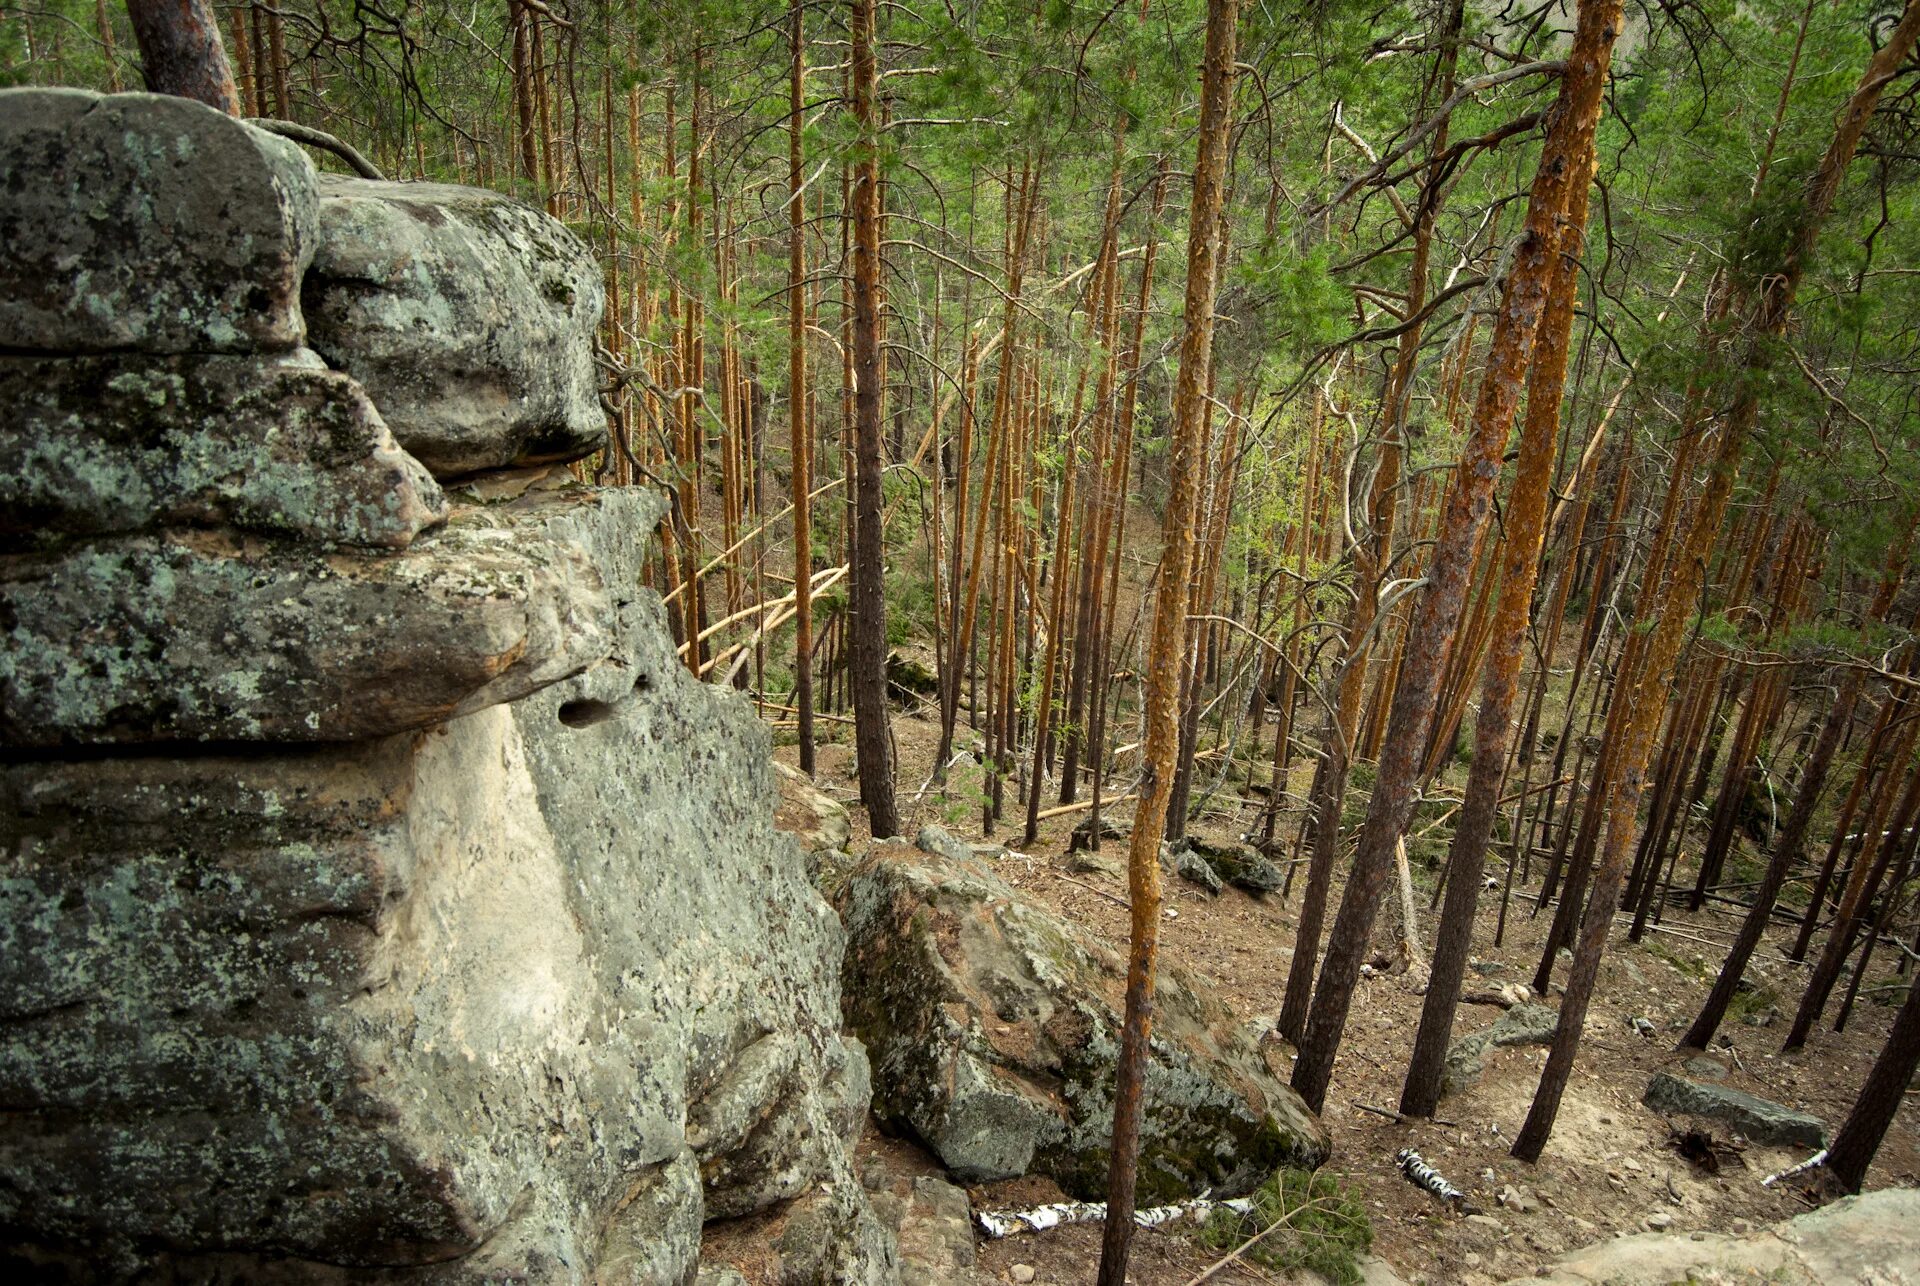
x,y
873,738
1169,628
1566,162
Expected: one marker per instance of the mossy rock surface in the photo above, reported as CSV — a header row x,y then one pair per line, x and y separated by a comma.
x,y
994,1029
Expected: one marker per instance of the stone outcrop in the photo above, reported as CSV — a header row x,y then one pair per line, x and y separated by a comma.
x,y
1521,1024
468,316
219,636
993,1030
1760,1121
380,901
272,443
1239,864
140,222
1870,1239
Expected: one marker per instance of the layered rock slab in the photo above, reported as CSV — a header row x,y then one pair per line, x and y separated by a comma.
x,y
468,316
993,1030
216,636
531,993
277,443
142,221
1758,1119
1869,1239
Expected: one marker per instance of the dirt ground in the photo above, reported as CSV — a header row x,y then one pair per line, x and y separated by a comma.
x,y
1609,1166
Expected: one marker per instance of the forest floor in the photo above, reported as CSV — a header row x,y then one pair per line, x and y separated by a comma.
x,y
1609,1167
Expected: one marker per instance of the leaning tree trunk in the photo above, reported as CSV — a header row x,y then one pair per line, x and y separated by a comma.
x,y
1648,695
181,53
1854,1146
1565,163
1525,516
1169,628
873,739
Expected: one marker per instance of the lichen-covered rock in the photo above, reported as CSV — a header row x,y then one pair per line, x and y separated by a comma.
x,y
1187,863
1870,1239
816,819
526,996
831,1237
1239,864
213,636
114,444
934,1222
993,1030
145,222
468,316
1522,1024
1761,1121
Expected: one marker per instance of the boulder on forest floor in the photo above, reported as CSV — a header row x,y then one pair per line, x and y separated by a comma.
x,y
816,819
993,1030
1239,864
1761,1121
1872,1238
1523,1024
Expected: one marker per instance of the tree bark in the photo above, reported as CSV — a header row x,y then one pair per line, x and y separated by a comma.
x,y
873,738
1525,518
181,54
1880,1098
1169,627
800,438
1566,163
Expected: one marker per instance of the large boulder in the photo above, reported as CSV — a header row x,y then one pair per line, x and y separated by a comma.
x,y
274,443
1868,1239
993,1030
468,316
1521,1024
145,222
214,636
1760,1121
527,996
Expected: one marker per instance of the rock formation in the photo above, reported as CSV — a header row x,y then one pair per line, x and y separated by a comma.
x,y
380,900
993,1029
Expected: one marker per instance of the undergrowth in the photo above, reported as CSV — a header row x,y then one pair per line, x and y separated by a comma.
x,y
1324,1227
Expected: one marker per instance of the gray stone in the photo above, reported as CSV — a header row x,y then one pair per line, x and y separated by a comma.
x,y
720,1275
935,1226
1762,1122
1524,1025
1085,863
940,842
1241,865
1709,1069
1193,868
468,316
1466,1061
816,819
276,443
212,636
145,222
994,1028
432,1007
1868,1239
832,1237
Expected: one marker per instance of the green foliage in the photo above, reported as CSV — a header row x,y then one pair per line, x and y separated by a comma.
x,y
1323,1227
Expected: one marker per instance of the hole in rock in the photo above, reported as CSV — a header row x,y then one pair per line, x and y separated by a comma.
x,y
585,712
643,684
